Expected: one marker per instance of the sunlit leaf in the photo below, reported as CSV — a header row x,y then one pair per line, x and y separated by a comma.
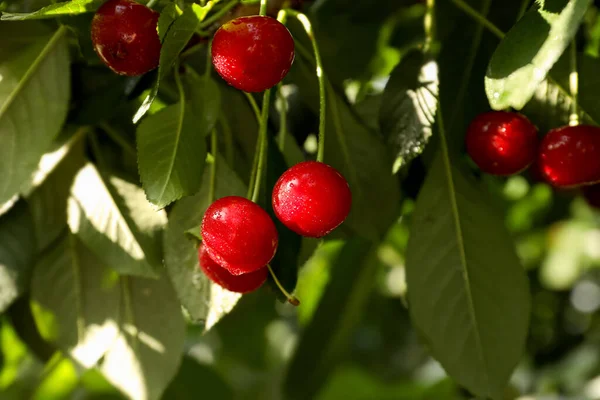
x,y
34,95
530,49
55,10
114,219
78,310
408,107
17,253
146,354
48,202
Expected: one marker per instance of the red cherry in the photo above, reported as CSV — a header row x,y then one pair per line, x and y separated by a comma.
x,y
234,283
125,37
253,53
501,142
239,235
312,198
570,156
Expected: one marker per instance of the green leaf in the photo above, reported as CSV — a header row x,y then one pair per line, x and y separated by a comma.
x,y
239,130
354,383
171,154
549,107
167,16
34,97
204,101
55,10
62,146
467,290
205,303
314,276
96,90
589,84
112,217
17,253
146,355
78,310
48,202
408,107
131,326
530,49
326,338
185,384
361,156
175,39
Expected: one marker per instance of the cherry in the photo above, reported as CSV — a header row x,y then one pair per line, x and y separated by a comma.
x,y
312,198
502,143
570,156
125,37
253,53
234,283
239,235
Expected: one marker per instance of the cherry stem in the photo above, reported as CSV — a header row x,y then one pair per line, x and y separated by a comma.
x,y
479,18
303,19
213,167
262,142
290,298
151,3
429,25
282,117
574,85
263,7
253,105
217,15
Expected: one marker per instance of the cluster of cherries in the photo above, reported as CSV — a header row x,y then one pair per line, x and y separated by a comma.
x,y
239,238
506,143
252,54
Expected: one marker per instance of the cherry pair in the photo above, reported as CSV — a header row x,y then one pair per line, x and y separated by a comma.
x,y
506,143
240,239
250,53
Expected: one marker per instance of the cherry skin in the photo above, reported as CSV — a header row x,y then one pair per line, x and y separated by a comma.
x,y
239,235
245,283
125,37
502,143
312,199
570,156
253,53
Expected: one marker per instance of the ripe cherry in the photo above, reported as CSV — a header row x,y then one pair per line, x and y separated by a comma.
x,y
570,156
235,283
125,37
239,235
253,53
312,198
501,142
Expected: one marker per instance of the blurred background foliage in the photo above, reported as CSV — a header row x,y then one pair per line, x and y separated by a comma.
x,y
247,354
